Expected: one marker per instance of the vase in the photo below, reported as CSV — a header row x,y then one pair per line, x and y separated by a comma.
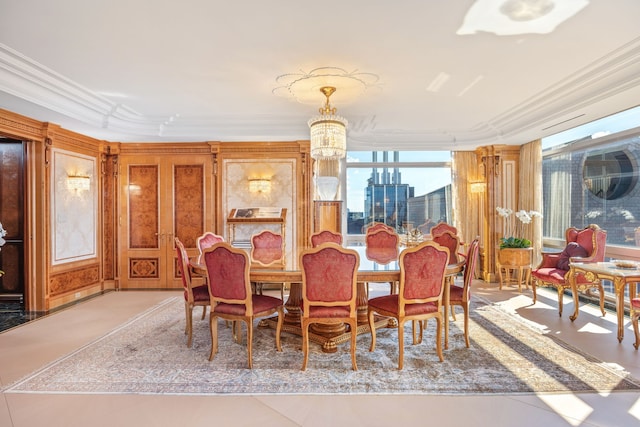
x,y
327,187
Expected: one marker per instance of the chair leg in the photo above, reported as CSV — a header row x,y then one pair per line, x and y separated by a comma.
x,y
499,276
400,344
372,328
634,320
560,297
354,328
249,341
305,344
213,327
439,337
465,307
189,330
204,312
279,328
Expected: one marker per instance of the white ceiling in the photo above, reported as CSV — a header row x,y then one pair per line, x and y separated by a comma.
x,y
406,76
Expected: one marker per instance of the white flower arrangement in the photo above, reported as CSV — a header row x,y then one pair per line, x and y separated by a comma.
x,y
3,233
511,230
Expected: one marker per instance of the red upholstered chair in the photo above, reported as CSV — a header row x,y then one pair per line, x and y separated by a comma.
x,y
329,281
461,295
590,244
206,240
449,240
325,236
231,296
193,296
383,246
422,281
267,250
441,227
635,305
375,226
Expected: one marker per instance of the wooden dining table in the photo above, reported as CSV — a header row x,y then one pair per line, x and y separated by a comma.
x,y
329,336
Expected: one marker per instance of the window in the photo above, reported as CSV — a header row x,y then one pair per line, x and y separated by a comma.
x,y
400,188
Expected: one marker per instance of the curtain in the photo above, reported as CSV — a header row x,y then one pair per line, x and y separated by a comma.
x,y
530,191
467,206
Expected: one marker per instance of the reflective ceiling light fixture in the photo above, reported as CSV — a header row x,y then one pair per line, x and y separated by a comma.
x,y
328,131
526,10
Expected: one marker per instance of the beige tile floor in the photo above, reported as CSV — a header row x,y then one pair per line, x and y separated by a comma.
x,y
30,346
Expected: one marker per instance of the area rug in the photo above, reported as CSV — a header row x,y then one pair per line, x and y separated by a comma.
x,y
148,355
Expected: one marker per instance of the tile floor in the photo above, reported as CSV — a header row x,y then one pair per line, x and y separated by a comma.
x,y
41,341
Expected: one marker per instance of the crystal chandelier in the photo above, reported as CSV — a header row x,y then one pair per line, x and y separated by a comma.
x,y
328,131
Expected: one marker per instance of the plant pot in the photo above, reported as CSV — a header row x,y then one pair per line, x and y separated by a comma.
x,y
515,257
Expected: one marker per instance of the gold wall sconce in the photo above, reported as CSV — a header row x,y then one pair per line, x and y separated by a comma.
x,y
78,183
477,187
259,185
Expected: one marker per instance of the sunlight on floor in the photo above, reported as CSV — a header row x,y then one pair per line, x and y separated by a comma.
x,y
635,409
594,329
567,403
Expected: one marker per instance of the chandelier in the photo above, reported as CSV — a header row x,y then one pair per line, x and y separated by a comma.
x,y
328,131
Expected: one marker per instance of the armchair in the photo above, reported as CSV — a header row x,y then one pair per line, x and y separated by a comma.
x,y
585,245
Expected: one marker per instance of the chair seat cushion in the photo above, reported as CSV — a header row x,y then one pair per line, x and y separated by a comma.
x,y
329,312
456,294
635,303
200,293
550,275
389,304
572,249
261,303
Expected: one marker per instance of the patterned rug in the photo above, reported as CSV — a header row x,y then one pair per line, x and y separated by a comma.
x,y
148,355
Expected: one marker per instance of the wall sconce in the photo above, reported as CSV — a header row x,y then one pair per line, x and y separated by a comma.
x,y
259,185
78,183
477,187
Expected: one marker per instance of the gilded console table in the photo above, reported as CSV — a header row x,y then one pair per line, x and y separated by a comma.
x,y
620,277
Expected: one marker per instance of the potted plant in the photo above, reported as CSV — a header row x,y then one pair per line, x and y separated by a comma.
x,y
515,250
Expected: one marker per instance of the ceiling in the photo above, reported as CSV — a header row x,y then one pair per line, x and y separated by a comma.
x,y
410,75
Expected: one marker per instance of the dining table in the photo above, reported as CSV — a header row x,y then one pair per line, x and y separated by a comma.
x,y
375,267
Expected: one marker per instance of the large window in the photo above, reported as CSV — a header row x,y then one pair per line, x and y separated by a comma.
x,y
593,180
399,188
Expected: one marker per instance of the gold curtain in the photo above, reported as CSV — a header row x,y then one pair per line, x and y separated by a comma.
x,y
530,190
468,211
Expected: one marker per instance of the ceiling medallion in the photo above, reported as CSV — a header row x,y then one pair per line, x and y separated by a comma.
x,y
303,86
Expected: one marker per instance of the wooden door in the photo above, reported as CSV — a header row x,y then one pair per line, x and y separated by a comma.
x,y
161,197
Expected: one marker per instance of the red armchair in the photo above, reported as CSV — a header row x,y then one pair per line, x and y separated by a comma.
x,y
586,245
